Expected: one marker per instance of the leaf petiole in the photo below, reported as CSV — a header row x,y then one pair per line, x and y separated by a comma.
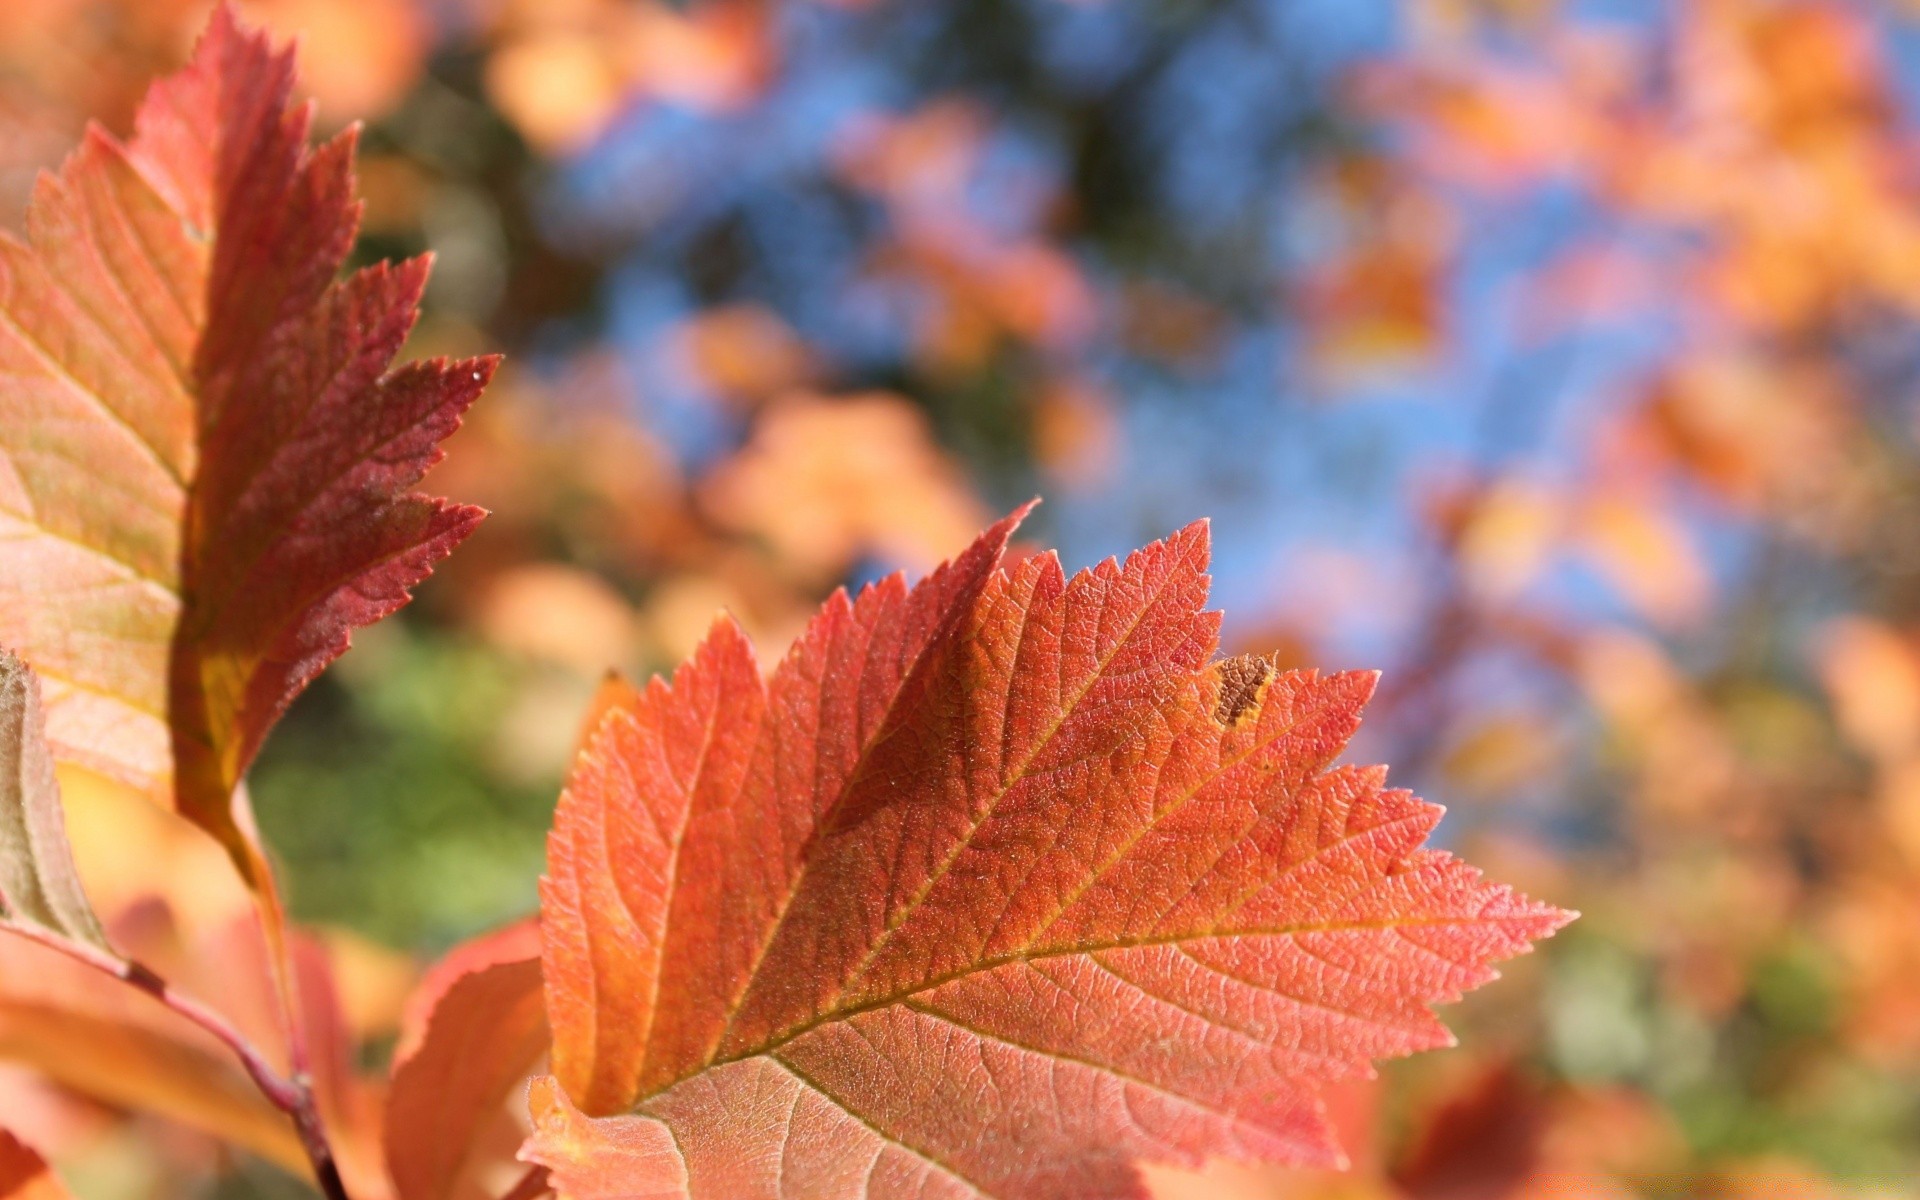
x,y
294,1096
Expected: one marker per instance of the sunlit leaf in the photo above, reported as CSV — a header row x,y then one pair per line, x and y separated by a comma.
x,y
205,453
998,886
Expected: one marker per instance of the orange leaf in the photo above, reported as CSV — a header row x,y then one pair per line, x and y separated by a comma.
x,y
24,1175
998,886
205,454
476,1028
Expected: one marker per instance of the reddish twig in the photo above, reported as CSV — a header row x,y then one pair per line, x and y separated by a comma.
x,y
291,1096
286,987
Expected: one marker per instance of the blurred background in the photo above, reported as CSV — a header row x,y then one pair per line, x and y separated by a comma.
x,y
1557,358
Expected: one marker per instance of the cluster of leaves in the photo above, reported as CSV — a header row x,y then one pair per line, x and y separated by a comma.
x,y
1002,883
1634,544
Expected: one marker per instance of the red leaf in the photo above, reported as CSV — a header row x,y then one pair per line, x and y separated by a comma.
x,y
474,1030
996,887
205,452
24,1175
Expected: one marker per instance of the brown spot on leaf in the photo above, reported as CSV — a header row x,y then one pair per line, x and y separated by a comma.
x,y
1240,680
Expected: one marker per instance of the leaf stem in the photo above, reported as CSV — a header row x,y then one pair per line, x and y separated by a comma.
x,y
286,986
265,888
294,1097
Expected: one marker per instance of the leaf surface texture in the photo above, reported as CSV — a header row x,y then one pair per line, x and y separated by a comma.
x,y
999,886
206,450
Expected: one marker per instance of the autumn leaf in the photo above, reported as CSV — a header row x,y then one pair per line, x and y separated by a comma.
x,y
38,882
474,1030
205,451
24,1175
998,886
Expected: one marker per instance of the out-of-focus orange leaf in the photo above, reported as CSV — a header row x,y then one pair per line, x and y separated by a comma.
x,y
1503,752
131,854
1076,433
1380,298
1510,533
1873,676
1755,432
24,1175
920,162
561,71
357,59
1498,126
372,980
559,89
475,1030
710,56
1872,928
1644,552
1900,809
562,460
974,284
978,288
560,614
827,481
1608,1133
42,1113
1685,761
745,353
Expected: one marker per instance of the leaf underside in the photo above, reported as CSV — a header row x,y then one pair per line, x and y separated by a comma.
x,y
999,886
38,882
205,449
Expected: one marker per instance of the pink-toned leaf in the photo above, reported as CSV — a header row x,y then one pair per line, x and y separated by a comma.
x,y
999,886
38,882
630,1157
205,450
474,1030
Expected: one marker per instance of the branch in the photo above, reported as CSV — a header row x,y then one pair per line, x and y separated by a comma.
x,y
286,986
291,1096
